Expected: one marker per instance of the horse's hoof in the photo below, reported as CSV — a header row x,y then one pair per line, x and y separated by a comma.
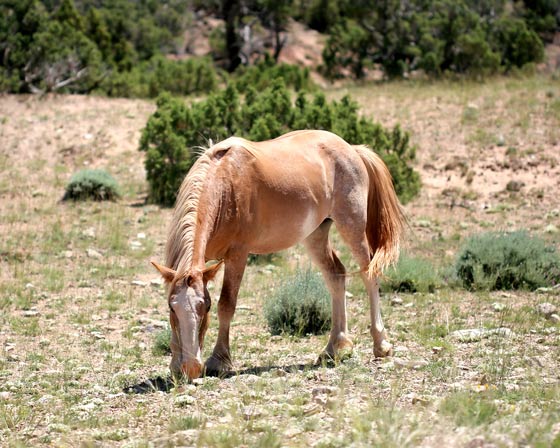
x,y
216,367
330,359
326,359
384,350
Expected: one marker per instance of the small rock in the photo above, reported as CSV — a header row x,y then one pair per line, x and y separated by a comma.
x,y
348,294
477,334
249,413
423,223
553,214
320,399
30,313
183,388
437,349
97,335
5,395
152,322
546,309
396,301
554,318
138,283
551,228
29,286
92,253
514,185
68,254
141,236
89,232
184,400
156,282
323,390
420,399
311,409
497,306
410,363
135,245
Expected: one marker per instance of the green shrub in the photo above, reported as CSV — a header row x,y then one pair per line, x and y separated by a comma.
x,y
411,275
162,342
500,260
262,75
175,127
159,74
469,409
300,305
98,185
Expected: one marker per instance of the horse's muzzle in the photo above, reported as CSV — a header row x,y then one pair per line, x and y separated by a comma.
x,y
192,369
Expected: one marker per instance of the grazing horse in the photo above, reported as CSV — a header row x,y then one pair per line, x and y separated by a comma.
x,y
243,197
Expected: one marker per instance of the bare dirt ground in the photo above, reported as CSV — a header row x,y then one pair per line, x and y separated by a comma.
x,y
81,307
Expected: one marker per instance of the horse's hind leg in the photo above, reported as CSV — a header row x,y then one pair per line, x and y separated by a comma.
x,y
333,271
359,246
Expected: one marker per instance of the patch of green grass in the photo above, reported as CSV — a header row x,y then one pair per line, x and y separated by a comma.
x,y
411,274
184,422
25,326
162,340
469,408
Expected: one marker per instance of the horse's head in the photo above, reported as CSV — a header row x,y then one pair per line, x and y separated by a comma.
x,y
189,306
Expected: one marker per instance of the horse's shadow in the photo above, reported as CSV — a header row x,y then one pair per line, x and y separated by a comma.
x,y
165,384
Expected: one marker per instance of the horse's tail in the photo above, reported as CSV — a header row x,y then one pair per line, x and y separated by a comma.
x,y
385,215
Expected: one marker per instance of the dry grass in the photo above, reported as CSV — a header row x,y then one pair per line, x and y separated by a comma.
x,y
74,330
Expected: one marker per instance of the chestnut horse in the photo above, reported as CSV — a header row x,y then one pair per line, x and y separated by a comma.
x,y
243,197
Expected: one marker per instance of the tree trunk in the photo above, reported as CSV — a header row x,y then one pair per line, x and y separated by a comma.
x,y
231,10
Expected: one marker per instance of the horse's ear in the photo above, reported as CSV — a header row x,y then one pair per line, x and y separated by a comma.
x,y
168,274
210,272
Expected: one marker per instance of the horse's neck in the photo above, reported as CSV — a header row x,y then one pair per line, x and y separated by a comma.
x,y
195,230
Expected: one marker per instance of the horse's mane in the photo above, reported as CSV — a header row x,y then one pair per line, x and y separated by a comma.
x,y
179,248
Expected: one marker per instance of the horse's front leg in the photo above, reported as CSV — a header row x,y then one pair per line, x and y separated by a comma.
x,y
220,360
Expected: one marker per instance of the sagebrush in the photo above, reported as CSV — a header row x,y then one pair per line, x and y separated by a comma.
x,y
300,305
96,184
411,274
507,260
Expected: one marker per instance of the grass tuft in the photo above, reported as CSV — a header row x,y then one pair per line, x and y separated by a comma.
x,y
412,274
499,260
98,185
300,305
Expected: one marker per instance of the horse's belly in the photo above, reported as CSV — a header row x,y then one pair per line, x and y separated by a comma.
x,y
285,232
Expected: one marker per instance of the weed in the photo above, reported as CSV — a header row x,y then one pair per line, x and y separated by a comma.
x,y
184,422
162,340
98,185
411,274
498,260
300,305
469,409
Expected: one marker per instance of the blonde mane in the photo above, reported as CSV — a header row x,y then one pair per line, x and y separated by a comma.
x,y
179,248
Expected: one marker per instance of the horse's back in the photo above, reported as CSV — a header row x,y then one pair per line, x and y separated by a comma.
x,y
286,187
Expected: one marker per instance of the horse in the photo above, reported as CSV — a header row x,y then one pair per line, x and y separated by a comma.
x,y
242,197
